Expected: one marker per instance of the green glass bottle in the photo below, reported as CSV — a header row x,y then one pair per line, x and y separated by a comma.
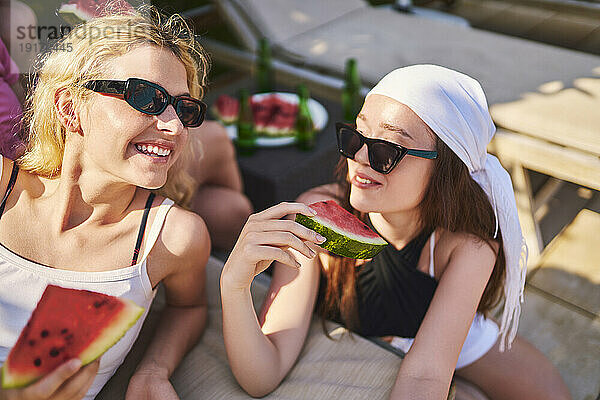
x,y
351,98
264,69
246,136
305,132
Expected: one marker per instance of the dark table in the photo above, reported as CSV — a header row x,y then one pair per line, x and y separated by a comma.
x,y
273,175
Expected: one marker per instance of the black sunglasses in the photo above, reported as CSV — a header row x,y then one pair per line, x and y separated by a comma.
x,y
383,155
152,99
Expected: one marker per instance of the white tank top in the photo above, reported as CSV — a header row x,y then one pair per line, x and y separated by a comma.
x,y
22,283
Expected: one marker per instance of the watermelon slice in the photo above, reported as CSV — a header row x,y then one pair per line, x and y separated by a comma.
x,y
76,12
226,109
346,235
66,324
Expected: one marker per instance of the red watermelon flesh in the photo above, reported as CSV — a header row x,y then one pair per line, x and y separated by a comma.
x,y
78,11
273,116
262,110
331,213
66,324
346,235
226,109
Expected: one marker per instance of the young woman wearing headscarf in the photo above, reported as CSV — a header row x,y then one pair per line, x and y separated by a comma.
x,y
415,168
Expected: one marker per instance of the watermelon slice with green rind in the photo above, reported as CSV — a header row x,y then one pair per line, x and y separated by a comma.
x,y
66,324
346,235
226,109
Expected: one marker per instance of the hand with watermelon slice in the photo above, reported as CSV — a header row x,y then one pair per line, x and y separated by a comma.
x,y
69,381
256,345
81,332
265,238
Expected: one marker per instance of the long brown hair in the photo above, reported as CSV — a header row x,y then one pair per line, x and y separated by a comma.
x,y
452,201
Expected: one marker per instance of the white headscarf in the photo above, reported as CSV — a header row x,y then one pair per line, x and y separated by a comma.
x,y
455,108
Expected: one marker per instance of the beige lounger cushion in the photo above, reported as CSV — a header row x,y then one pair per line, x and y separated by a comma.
x,y
382,40
350,368
279,21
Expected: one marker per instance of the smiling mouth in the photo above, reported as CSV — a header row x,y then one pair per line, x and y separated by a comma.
x,y
153,150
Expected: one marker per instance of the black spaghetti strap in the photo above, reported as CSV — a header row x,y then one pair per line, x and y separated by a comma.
x,y
140,236
11,184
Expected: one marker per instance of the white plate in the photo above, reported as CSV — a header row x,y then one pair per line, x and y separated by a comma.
x,y
317,112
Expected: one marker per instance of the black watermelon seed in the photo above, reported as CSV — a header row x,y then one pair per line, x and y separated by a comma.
x,y
45,333
37,362
32,342
69,337
100,303
65,330
54,352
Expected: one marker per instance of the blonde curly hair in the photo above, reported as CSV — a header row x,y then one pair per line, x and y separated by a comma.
x,y
83,55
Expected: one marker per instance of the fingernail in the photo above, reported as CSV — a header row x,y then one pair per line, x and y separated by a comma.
x,y
74,364
320,238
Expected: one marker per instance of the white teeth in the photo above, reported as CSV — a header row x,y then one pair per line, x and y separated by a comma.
x,y
361,180
159,151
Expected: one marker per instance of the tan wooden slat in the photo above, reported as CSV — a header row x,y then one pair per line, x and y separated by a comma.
x,y
563,163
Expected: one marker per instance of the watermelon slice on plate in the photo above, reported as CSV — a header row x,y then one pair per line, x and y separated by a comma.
x,y
275,118
66,324
346,235
274,115
226,109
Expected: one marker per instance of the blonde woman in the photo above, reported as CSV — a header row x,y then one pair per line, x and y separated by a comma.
x,y
90,205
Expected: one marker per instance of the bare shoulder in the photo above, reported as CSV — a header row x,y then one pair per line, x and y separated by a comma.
x,y
465,246
184,240
330,191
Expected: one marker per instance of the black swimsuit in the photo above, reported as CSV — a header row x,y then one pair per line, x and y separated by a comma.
x,y
392,294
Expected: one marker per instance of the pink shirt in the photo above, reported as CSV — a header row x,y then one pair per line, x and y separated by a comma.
x,y
10,108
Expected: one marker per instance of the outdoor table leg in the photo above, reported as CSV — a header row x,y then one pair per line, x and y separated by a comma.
x,y
524,199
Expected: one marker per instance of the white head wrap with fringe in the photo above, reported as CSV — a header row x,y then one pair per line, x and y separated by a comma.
x,y
454,106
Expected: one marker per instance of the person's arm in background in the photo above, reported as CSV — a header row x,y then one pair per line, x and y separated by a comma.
x,y
220,198
11,112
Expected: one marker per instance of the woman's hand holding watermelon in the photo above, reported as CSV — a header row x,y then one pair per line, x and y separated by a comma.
x,y
265,238
70,381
